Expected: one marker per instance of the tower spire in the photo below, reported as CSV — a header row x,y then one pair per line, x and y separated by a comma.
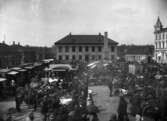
x,y
158,26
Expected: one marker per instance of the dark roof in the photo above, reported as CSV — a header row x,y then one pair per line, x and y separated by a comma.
x,y
83,39
135,50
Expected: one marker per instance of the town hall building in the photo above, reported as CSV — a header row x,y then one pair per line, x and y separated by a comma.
x,y
160,33
85,48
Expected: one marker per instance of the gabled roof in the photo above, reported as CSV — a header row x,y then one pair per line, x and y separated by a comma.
x,y
83,39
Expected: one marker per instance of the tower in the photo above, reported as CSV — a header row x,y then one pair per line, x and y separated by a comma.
x,y
106,51
158,26
160,42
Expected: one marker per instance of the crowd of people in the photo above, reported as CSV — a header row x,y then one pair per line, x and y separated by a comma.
x,y
142,96
58,98
145,97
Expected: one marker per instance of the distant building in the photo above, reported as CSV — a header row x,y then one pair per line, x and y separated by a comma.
x,y
160,42
85,48
135,53
15,54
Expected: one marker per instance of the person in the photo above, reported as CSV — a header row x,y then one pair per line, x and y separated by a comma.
x,y
17,100
35,100
13,85
138,117
45,108
19,96
9,118
1,119
122,109
95,117
110,87
113,117
30,117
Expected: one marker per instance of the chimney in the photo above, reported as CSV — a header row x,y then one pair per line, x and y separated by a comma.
x,y
99,34
106,34
13,42
105,40
106,51
18,43
3,42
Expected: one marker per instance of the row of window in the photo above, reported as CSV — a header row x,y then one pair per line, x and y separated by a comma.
x,y
160,36
85,57
80,57
133,58
160,45
80,49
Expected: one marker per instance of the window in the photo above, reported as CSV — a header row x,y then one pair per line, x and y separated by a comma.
x,y
159,44
73,57
159,36
86,57
66,49
80,57
112,57
86,48
93,57
67,57
99,48
163,44
99,57
112,49
156,45
93,49
73,48
156,37
60,57
163,36
80,48
60,49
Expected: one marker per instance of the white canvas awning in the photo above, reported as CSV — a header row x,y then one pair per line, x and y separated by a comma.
x,y
65,101
29,67
4,70
13,72
16,68
2,79
22,70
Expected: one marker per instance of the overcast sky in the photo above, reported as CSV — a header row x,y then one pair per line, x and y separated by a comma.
x,y
42,22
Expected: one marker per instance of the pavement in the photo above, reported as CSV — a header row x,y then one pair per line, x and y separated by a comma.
x,y
107,105
5,105
18,116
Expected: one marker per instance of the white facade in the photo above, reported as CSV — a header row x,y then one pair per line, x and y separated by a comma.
x,y
160,37
135,57
86,51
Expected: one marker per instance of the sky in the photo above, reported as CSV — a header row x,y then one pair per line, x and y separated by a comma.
x,y
43,22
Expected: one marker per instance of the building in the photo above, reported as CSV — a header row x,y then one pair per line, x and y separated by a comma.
x,y
85,48
16,54
160,34
135,53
